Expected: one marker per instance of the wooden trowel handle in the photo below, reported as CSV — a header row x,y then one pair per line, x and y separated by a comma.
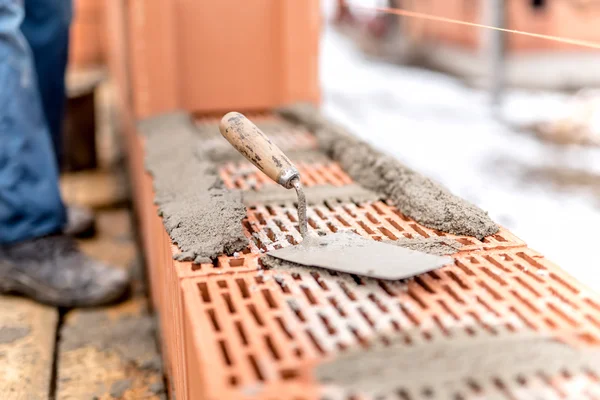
x,y
253,144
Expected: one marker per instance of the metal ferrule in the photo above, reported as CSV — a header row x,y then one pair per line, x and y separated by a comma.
x,y
287,176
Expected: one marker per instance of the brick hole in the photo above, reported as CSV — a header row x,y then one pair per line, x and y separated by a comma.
x,y
314,342
277,246
453,294
312,223
229,302
409,315
424,285
320,214
261,219
243,288
396,325
259,279
309,295
271,234
327,324
269,299
399,214
592,304
236,262
419,230
458,396
366,227
332,227
456,279
387,233
296,276
526,321
438,322
233,380
271,211
428,392
563,283
494,276
284,287
473,260
246,224
357,279
418,300
255,314
470,331
403,395
337,307
288,374
386,289
347,291
341,347
464,241
291,216
361,340
203,288
525,301
396,225
510,327
366,317
407,340
296,310
464,268
434,275
474,386
385,340
377,238
225,353
349,211
280,225
491,260
271,346
499,238
291,240
284,328
378,208
372,218
240,329
319,280
589,339
447,308
527,286
489,289
593,320
196,267
377,302
213,319
257,371
487,306
427,335
342,221
535,276
298,352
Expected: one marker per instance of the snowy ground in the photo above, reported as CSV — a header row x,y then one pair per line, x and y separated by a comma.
x,y
446,131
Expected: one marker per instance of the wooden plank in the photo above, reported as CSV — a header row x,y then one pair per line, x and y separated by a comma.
x,y
110,352
27,335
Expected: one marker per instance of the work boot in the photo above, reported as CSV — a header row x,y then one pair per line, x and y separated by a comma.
x,y
52,270
81,222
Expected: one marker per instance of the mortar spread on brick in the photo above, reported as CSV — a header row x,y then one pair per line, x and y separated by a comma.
x,y
442,366
201,216
418,197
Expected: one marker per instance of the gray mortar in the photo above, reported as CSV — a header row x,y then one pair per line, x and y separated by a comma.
x,y
201,216
10,334
320,194
131,337
416,196
438,246
443,365
118,388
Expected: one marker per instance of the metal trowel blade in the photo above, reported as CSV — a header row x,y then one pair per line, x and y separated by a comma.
x,y
351,253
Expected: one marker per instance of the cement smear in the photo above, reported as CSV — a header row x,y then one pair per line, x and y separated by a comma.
x,y
441,367
416,196
201,216
10,334
438,246
118,389
315,195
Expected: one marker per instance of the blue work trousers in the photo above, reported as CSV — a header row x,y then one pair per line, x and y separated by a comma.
x,y
33,55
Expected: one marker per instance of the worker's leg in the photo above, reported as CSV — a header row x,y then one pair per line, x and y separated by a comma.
x,y
46,28
30,203
36,258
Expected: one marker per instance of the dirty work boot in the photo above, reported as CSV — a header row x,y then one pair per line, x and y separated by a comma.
x,y
52,270
81,222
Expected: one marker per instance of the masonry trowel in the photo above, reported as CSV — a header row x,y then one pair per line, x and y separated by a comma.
x,y
343,251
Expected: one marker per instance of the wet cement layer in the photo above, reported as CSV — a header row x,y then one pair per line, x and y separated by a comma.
x,y
320,194
444,365
201,216
416,196
438,246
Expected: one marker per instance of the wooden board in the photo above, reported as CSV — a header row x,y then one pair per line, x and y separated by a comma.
x,y
27,335
111,352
